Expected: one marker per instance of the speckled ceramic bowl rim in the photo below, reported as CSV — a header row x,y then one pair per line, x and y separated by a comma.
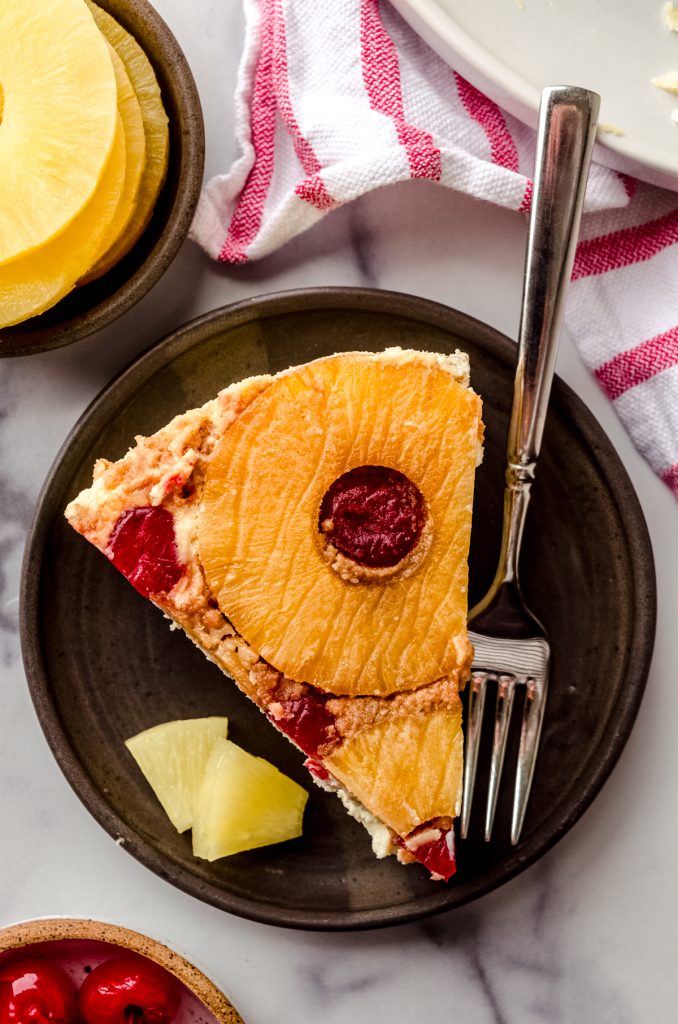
x,y
180,216
57,929
641,565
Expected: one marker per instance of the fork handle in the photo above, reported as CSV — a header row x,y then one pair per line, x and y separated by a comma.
x,y
567,127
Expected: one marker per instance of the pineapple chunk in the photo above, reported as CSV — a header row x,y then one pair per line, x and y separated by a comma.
x,y
58,120
156,133
173,757
244,802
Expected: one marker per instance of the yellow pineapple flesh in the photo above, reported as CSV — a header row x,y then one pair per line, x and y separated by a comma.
x,y
173,757
58,122
33,283
405,771
259,535
135,154
156,133
244,803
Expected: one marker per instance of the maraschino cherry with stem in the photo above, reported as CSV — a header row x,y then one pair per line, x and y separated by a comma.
x,y
36,991
129,989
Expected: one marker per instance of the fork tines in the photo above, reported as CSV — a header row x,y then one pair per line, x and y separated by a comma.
x,y
509,663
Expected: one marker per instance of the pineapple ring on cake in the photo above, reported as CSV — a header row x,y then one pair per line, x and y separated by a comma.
x,y
258,528
135,155
57,121
35,282
394,768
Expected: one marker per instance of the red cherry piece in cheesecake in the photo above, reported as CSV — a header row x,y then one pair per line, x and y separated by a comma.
x,y
438,855
143,547
129,989
317,769
36,991
373,515
307,722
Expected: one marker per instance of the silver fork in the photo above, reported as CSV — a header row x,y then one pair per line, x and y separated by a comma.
x,y
511,647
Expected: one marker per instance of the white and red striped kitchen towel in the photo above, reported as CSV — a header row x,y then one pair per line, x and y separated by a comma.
x,y
330,106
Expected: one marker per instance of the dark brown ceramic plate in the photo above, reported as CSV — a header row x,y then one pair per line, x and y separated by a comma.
x,y
93,306
102,663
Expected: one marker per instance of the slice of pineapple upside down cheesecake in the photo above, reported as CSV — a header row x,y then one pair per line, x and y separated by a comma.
x,y
309,531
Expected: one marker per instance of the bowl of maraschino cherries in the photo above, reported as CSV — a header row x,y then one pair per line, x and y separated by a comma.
x,y
73,971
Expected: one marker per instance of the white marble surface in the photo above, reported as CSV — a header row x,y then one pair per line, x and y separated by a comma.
x,y
590,933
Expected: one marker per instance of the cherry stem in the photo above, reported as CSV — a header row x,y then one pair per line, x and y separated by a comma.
x,y
134,1014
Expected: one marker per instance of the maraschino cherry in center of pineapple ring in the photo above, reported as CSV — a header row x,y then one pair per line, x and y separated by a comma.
x,y
408,426
374,526
373,515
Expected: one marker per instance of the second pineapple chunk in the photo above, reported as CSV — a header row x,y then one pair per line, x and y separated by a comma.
x,y
173,757
244,802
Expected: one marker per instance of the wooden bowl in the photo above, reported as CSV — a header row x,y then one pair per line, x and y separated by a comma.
x,y
89,308
77,945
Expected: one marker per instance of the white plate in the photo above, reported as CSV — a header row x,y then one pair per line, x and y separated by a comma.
x,y
614,47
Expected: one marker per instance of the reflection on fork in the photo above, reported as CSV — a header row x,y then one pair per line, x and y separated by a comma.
x,y
510,644
509,664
